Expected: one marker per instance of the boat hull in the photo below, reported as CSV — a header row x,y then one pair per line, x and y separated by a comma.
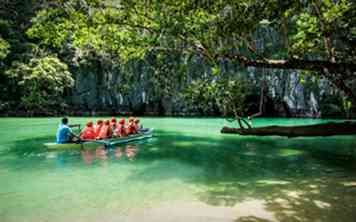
x,y
147,133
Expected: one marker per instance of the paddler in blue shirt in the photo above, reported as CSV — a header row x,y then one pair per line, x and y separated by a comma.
x,y
65,134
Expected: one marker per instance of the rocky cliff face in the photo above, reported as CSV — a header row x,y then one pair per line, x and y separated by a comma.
x,y
290,93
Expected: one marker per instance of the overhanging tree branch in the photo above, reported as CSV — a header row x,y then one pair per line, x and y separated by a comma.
x,y
301,64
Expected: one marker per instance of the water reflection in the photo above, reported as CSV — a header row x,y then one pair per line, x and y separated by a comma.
x,y
87,156
118,153
101,153
131,151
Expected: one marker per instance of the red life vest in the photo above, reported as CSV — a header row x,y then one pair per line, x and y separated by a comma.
x,y
120,130
88,133
97,129
110,132
105,132
131,129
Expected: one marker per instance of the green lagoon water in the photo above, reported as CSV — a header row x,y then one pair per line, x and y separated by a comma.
x,y
187,172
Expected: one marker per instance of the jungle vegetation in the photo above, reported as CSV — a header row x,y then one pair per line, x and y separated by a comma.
x,y
43,44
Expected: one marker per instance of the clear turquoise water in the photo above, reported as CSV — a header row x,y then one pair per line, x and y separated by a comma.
x,y
187,172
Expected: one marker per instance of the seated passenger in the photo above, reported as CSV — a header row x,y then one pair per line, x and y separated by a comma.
x,y
113,123
131,129
137,125
110,131
88,132
105,131
98,126
120,129
65,134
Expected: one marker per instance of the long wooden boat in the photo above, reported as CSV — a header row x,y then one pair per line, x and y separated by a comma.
x,y
145,133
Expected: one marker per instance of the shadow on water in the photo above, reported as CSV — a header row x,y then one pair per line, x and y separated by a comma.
x,y
251,219
289,178
29,146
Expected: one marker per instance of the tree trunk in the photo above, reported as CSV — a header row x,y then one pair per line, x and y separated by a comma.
x,y
325,129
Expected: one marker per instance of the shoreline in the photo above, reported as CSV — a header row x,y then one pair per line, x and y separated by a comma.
x,y
148,114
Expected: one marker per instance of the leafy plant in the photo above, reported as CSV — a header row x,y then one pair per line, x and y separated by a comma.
x,y
4,48
42,80
228,95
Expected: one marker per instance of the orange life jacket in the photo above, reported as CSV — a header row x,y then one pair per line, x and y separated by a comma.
x,y
105,132
88,133
110,132
131,129
120,130
97,129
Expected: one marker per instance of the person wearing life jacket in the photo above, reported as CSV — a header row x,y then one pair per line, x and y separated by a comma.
x,y
98,126
113,123
120,129
110,131
105,131
88,132
137,125
131,128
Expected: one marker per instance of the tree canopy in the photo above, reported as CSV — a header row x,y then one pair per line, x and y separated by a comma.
x,y
42,81
315,36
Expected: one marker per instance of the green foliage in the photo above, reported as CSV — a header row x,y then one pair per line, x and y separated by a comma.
x,y
54,27
227,95
42,80
332,11
308,36
4,48
98,28
131,29
347,104
317,21
200,95
232,96
168,74
158,34
4,44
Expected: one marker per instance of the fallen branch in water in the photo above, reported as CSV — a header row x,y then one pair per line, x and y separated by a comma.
x,y
324,129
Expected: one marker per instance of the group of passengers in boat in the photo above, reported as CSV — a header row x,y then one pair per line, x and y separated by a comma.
x,y
103,129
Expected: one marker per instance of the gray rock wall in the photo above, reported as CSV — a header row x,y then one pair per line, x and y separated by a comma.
x,y
96,90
